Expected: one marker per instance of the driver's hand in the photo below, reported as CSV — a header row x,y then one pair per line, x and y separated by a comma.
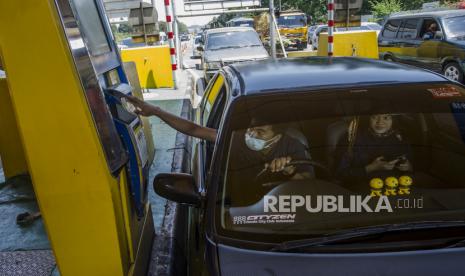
x,y
142,108
380,164
281,165
404,166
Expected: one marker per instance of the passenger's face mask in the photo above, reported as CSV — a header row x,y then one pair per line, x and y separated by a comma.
x,y
257,144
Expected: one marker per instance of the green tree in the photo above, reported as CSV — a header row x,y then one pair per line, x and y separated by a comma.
x,y
182,27
383,8
124,28
162,26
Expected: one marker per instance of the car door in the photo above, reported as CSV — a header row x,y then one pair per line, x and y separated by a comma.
x,y
209,115
409,41
389,45
429,51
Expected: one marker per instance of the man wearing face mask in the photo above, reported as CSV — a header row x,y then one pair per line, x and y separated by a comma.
x,y
265,150
262,157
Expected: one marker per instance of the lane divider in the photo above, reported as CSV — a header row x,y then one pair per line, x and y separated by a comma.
x,y
169,23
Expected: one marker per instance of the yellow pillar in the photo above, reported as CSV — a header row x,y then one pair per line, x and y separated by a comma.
x,y
79,199
11,148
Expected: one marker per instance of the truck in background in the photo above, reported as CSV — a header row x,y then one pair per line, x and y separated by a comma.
x,y
292,26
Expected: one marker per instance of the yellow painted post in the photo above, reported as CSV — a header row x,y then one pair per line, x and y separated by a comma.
x,y
153,65
351,43
11,148
79,199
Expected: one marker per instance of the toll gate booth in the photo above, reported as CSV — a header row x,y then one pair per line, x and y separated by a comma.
x,y
70,139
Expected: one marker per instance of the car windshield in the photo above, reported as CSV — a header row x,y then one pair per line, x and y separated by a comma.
x,y
310,164
455,27
292,21
243,23
197,39
233,39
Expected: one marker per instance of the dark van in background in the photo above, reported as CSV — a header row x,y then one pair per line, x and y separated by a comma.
x,y
432,40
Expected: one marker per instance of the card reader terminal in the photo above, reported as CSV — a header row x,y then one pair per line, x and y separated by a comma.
x,y
129,127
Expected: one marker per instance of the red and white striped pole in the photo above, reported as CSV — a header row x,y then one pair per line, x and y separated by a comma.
x,y
330,27
169,24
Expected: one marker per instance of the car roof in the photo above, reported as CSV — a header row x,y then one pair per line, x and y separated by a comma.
x,y
441,13
229,29
319,72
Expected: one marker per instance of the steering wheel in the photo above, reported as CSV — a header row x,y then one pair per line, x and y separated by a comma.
x,y
299,162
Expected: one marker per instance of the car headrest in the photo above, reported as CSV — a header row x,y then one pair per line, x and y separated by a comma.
x,y
299,136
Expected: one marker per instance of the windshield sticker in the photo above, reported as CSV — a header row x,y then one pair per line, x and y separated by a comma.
x,y
458,110
444,92
264,219
342,204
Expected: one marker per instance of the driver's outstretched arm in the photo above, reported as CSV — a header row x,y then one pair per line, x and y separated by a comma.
x,y
180,124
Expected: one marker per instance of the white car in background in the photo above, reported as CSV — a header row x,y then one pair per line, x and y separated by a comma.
x,y
366,26
196,43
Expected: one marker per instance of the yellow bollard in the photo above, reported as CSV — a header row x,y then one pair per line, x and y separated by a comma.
x,y
351,44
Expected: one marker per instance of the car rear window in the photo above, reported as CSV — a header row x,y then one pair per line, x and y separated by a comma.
x,y
390,29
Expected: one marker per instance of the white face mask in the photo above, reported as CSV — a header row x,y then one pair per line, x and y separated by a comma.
x,y
257,144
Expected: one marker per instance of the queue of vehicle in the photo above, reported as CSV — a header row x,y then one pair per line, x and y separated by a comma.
x,y
246,215
431,40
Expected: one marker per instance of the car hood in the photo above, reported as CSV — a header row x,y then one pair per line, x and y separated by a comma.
x,y
459,42
237,261
235,54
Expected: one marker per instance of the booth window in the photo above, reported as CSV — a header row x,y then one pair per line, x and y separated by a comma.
x,y
92,27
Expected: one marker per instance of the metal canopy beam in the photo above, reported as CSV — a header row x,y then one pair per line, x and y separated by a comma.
x,y
120,8
222,12
205,5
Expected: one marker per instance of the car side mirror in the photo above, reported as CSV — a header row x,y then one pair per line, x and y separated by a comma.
x,y
200,48
439,35
177,187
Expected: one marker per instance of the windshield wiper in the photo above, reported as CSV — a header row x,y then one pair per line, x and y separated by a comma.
x,y
365,232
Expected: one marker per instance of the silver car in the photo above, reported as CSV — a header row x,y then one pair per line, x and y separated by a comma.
x,y
230,45
197,42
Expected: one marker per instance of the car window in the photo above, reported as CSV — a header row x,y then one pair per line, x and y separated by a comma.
x,y
292,21
455,27
234,39
215,104
427,22
210,98
409,29
390,29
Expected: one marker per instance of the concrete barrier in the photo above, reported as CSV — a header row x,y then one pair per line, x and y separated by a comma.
x,y
153,65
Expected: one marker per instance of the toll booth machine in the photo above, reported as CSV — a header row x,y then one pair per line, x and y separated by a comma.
x,y
65,123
